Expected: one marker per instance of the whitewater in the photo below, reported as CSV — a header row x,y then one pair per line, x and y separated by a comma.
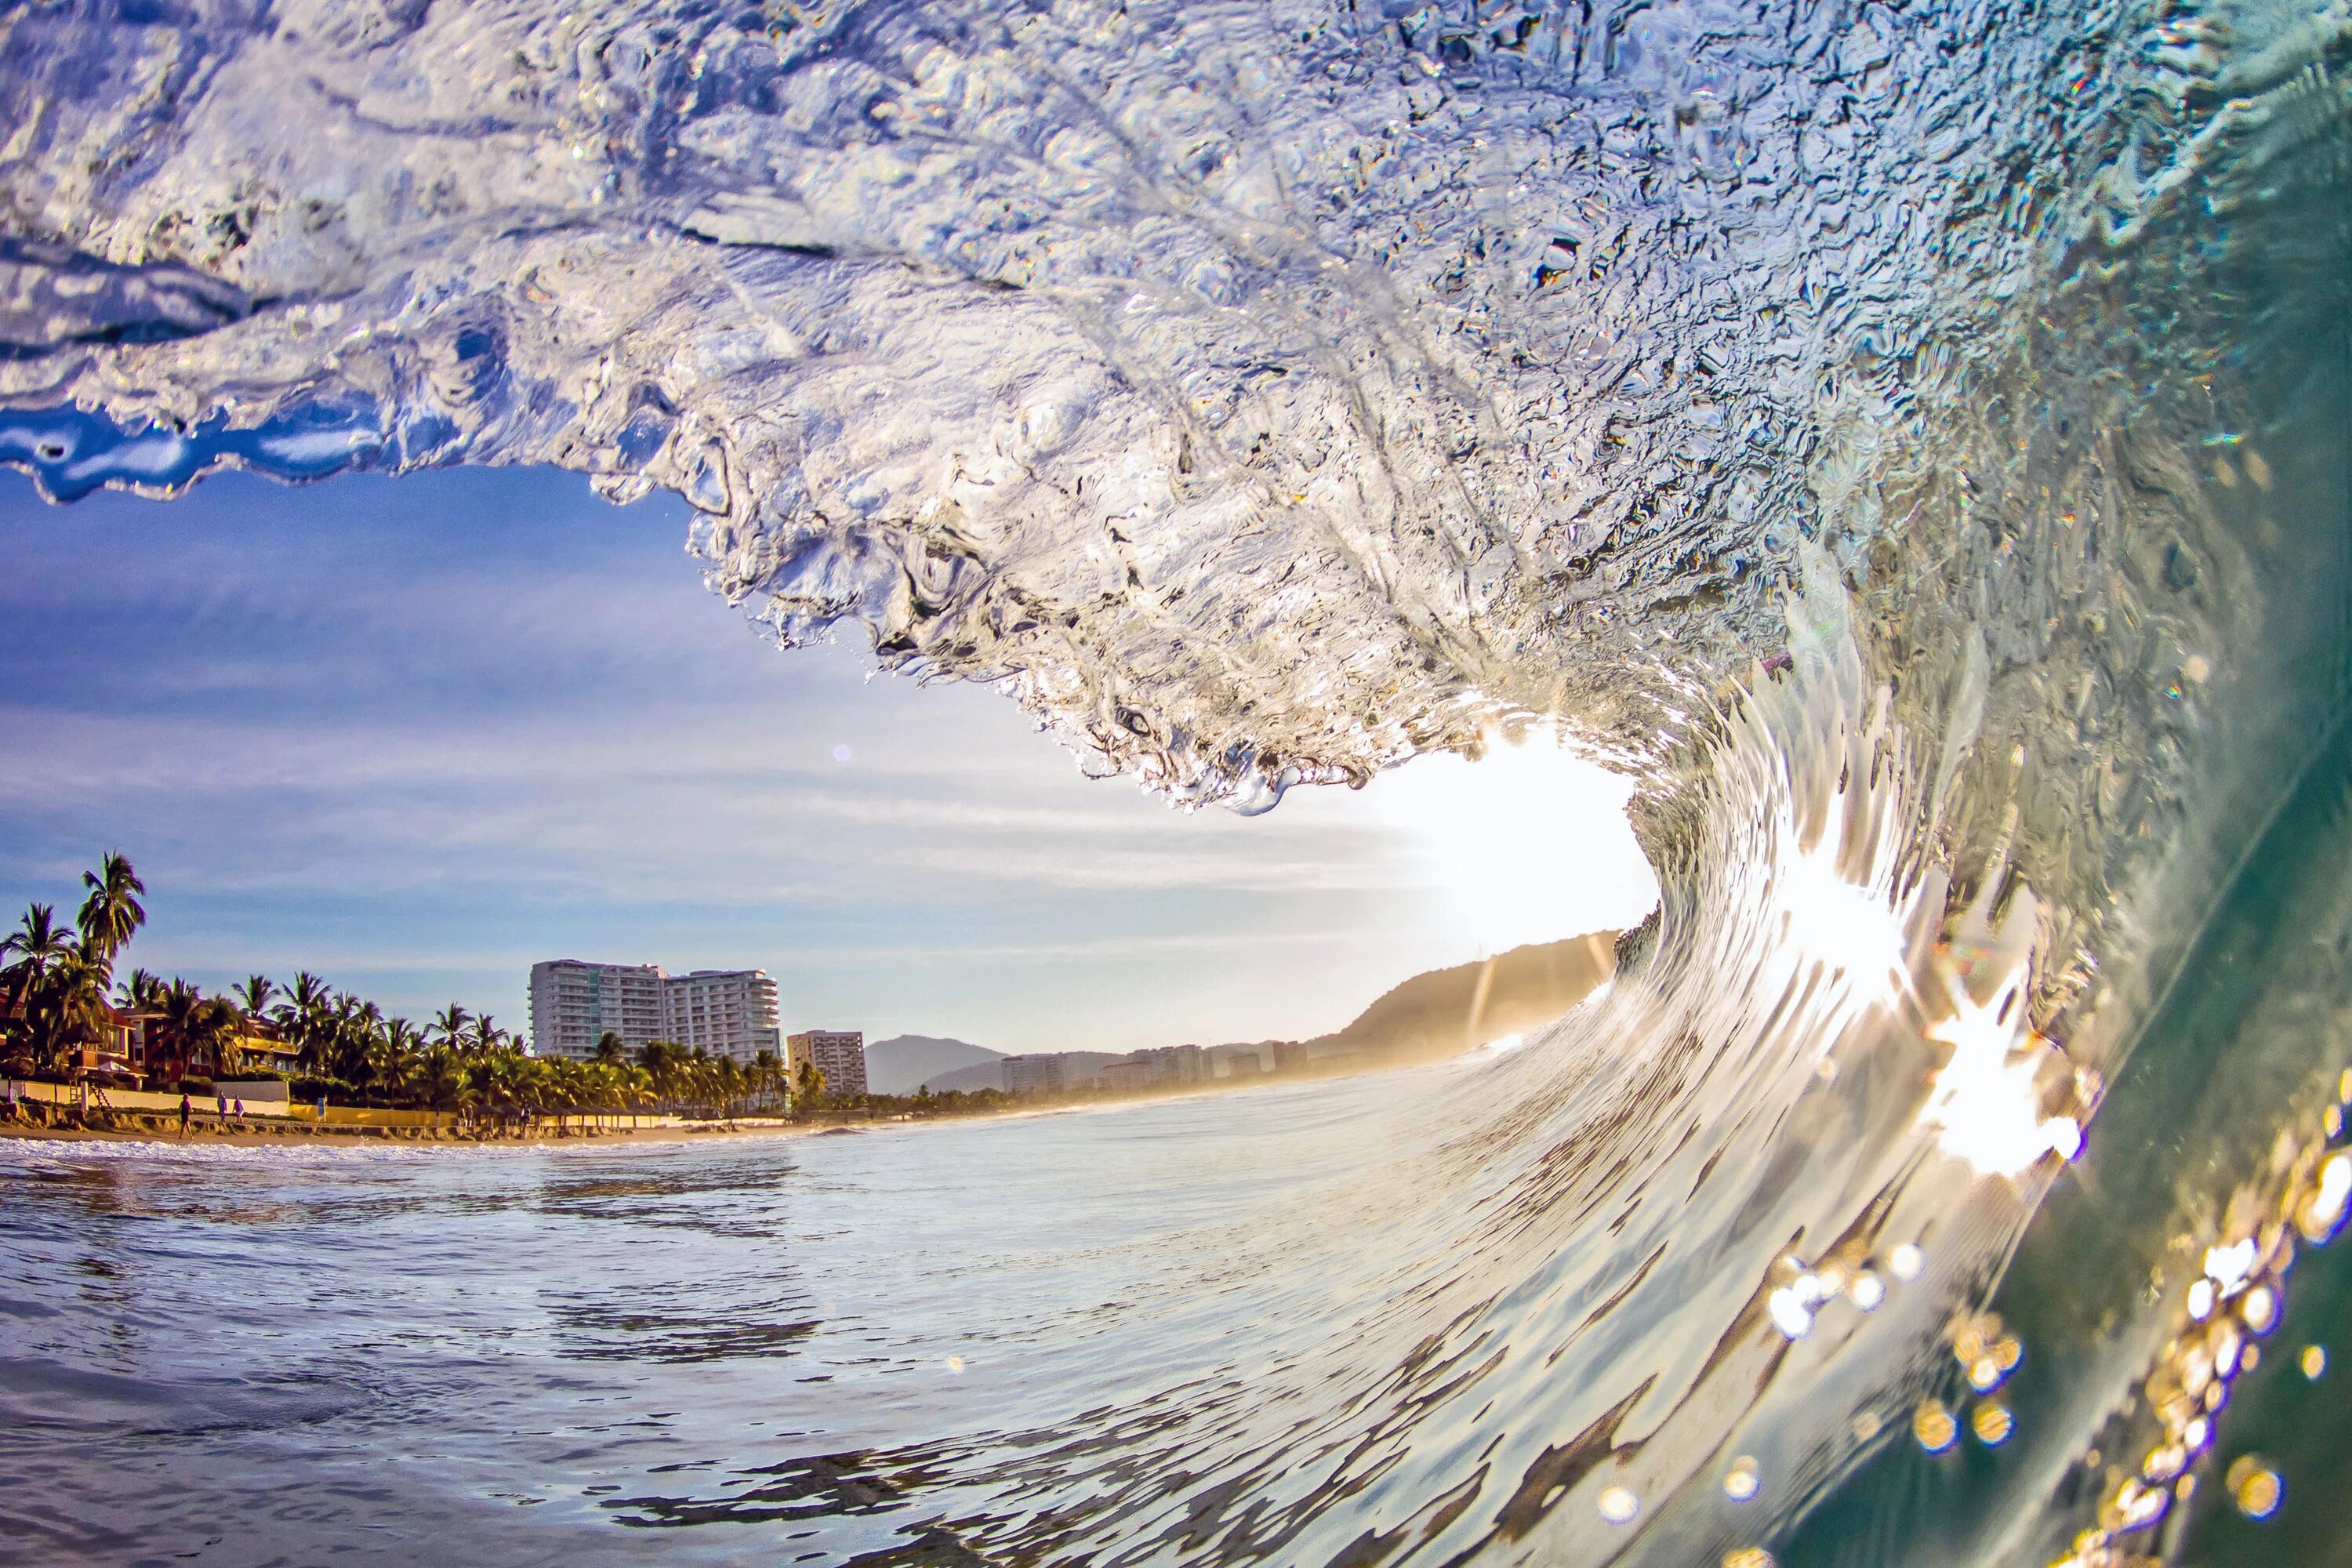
x,y
1909,439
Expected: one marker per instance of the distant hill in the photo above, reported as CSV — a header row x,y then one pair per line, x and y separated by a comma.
x,y
988,1075
1447,1011
901,1065
985,1074
1439,1014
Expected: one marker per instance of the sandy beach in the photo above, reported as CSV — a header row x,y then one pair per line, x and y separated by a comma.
x,y
254,1133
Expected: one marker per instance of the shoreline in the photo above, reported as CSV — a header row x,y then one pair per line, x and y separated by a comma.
x,y
204,1130
301,1137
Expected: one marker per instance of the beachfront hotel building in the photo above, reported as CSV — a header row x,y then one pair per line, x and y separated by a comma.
x,y
727,1011
724,1012
1044,1073
839,1054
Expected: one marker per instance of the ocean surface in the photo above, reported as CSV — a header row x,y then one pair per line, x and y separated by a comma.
x,y
1908,439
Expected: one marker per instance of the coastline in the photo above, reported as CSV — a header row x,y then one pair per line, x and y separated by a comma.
x,y
267,1131
297,1136
272,1132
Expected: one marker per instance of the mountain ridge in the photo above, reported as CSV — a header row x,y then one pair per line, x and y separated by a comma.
x,y
903,1063
1437,1013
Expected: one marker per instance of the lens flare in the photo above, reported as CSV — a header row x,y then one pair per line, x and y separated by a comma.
x,y
1933,1425
2255,1487
1985,1106
1528,844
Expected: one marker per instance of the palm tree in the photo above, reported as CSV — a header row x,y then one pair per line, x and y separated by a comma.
x,y
58,994
301,1017
808,1091
399,1039
255,994
70,1009
308,996
38,945
449,1024
442,1079
142,992
112,913
486,1038
350,1030
198,1030
224,1025
399,1058
664,1063
611,1050
499,1080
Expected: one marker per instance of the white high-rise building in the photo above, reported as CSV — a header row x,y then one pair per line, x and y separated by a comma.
x,y
573,1004
1046,1072
725,1012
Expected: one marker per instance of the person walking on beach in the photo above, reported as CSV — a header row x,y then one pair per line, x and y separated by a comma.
x,y
183,1113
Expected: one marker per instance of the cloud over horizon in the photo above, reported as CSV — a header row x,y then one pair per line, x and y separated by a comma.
x,y
415,733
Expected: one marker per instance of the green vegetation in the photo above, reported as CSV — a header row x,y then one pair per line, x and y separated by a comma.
x,y
54,985
64,1018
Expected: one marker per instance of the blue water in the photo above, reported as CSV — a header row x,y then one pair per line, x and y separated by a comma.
x,y
762,1350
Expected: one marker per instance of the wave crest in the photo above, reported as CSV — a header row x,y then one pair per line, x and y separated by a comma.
x,y
1260,394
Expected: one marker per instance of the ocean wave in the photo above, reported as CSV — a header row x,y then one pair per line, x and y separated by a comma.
x,y
1908,438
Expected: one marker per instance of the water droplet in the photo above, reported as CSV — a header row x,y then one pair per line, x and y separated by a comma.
x,y
2255,1488
1618,1505
1991,1423
1906,1261
2065,1136
1741,1482
2228,1266
2313,1363
1934,1427
1792,1310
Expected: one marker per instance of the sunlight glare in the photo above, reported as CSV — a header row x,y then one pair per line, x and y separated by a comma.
x,y
1986,1108
1529,844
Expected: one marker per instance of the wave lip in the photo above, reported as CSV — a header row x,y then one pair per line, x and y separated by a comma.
x,y
1143,361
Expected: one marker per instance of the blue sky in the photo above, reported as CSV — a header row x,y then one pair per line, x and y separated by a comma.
x,y
415,733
